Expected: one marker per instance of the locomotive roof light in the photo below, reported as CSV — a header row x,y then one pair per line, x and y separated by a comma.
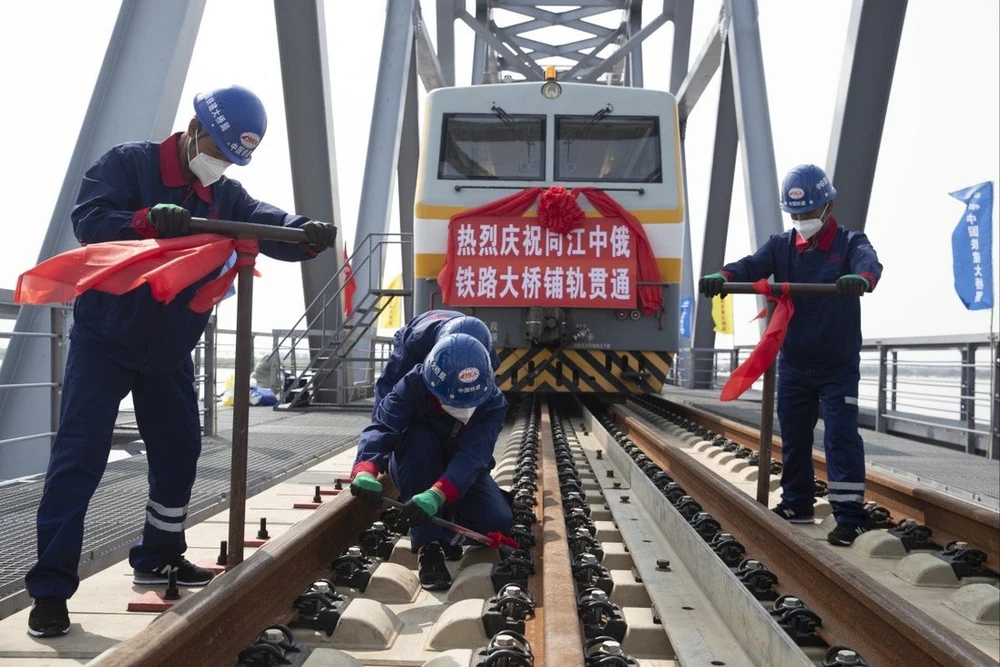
x,y
550,89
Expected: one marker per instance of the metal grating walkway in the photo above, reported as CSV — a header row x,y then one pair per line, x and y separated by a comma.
x,y
969,477
280,445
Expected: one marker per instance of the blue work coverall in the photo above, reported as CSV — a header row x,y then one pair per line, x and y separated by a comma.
x,y
819,363
426,447
133,343
411,345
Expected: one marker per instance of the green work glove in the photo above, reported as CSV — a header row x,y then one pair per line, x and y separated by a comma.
x,y
853,285
421,507
368,488
170,220
711,284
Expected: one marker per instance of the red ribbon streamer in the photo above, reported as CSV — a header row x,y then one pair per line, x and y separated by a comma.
x,y
168,266
767,349
650,296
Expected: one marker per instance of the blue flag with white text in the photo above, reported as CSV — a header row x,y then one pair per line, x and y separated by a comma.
x,y
972,247
686,304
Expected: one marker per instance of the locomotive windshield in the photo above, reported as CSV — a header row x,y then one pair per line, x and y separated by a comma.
x,y
615,149
492,146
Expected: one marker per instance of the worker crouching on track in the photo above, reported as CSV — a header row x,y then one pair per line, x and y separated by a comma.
x,y
819,364
134,343
412,343
438,427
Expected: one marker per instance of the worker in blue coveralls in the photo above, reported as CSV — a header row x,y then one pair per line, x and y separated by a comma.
x,y
437,427
819,363
412,343
133,343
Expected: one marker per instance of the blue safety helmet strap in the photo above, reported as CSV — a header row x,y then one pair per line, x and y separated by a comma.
x,y
235,120
457,371
806,188
468,325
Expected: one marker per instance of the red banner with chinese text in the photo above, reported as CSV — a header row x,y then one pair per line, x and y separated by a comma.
x,y
514,261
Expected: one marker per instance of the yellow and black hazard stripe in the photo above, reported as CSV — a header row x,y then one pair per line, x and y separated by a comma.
x,y
530,370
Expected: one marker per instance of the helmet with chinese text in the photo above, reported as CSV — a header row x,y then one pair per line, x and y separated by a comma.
x,y
457,371
806,188
235,120
471,326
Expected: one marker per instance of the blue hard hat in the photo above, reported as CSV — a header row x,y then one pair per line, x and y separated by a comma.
x,y
457,371
805,189
468,325
235,119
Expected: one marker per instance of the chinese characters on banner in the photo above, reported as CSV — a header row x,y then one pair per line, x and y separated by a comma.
x,y
517,262
972,247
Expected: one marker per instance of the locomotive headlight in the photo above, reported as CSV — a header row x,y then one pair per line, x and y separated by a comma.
x,y
551,90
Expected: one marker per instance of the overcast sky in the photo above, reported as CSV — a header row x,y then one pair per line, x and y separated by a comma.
x,y
942,131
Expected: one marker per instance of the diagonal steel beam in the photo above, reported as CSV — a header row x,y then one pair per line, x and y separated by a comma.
x,y
706,64
446,39
516,5
753,120
720,199
428,65
406,172
682,17
626,48
580,71
384,138
562,50
481,50
635,71
305,81
135,97
543,18
870,54
519,61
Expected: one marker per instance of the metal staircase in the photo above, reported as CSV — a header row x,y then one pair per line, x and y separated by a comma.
x,y
332,375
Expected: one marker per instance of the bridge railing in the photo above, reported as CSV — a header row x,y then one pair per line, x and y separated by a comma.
x,y
213,356
939,389
51,381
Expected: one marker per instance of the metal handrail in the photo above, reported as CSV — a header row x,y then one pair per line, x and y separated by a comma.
x,y
366,257
56,337
895,380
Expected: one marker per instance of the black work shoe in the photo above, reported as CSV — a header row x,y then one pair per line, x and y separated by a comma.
x,y
434,575
793,516
49,618
452,551
188,574
845,534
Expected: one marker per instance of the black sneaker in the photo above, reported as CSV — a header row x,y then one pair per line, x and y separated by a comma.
x,y
793,516
48,618
845,534
434,575
452,551
188,574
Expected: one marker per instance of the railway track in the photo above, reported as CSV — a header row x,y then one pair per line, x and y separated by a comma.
x,y
617,565
947,519
854,608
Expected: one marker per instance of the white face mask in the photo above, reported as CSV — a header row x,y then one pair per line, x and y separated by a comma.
x,y
808,227
207,168
461,414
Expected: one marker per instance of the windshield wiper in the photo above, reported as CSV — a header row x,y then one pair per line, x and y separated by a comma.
x,y
596,118
509,121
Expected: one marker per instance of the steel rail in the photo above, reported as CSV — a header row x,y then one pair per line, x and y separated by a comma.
x,y
555,590
212,626
856,610
948,518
